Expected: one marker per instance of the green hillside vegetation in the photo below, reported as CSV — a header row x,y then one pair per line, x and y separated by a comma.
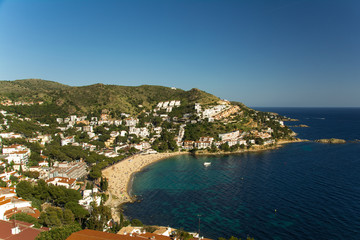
x,y
34,88
97,97
125,99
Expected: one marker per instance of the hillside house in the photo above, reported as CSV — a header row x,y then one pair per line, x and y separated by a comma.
x,y
8,203
131,122
67,140
62,181
14,229
229,136
18,154
11,135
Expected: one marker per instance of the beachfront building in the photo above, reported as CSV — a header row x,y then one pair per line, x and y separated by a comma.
x,y
188,145
202,144
86,201
89,196
229,136
141,146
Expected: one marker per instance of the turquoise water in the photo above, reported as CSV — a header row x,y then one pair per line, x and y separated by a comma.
x,y
300,191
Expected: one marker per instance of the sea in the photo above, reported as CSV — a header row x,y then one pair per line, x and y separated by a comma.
x,y
304,190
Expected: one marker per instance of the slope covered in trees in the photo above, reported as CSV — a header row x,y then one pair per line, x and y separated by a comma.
x,y
94,98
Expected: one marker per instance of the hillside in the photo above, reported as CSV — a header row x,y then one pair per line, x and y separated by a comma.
x,y
28,87
98,97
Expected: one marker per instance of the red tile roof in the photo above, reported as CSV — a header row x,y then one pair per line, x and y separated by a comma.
x,y
88,234
26,232
27,210
154,236
6,190
5,201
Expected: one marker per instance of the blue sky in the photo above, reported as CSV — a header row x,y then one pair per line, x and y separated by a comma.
x,y
260,52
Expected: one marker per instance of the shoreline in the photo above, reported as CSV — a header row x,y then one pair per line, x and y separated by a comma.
x,y
121,175
252,149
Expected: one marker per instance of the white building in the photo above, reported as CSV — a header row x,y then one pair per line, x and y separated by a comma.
x,y
9,203
11,135
44,164
117,122
67,140
73,118
59,120
229,136
18,154
160,104
62,181
114,134
123,133
131,122
88,128
166,104
139,132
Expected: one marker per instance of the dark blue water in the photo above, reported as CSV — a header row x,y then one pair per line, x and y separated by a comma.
x,y
301,191
323,122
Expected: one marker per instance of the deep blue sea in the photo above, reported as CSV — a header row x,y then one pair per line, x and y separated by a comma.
x,y
300,191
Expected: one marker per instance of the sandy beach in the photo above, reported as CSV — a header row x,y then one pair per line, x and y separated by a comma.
x,y
120,175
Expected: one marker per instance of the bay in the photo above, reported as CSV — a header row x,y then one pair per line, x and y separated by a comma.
x,y
301,191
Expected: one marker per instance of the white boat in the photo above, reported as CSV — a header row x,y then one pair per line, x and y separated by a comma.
x,y
206,164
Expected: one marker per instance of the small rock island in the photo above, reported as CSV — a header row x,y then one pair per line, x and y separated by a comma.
x,y
331,140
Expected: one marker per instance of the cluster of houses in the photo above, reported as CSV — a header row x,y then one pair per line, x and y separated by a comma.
x,y
10,204
218,112
167,106
16,157
14,162
8,102
230,138
16,154
150,133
